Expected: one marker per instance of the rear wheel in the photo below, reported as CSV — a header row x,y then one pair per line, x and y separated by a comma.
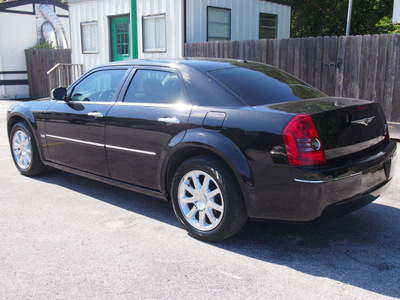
x,y
24,150
207,200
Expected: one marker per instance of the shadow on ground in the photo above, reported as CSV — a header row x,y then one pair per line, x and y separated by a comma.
x,y
361,249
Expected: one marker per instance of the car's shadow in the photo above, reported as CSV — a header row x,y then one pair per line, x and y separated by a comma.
x,y
361,249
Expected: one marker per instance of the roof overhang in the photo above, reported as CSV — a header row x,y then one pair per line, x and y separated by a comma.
x,y
9,5
280,2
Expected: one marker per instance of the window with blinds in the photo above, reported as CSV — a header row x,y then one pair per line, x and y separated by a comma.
x,y
89,37
218,24
154,34
268,26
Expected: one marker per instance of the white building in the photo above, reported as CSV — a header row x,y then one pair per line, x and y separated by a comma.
x,y
21,24
109,30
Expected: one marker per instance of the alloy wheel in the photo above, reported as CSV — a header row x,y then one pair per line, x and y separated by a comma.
x,y
21,148
200,200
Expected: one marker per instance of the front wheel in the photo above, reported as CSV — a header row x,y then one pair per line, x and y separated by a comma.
x,y
207,200
24,150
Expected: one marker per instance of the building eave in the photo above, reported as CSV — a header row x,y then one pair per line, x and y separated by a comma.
x,y
6,5
280,2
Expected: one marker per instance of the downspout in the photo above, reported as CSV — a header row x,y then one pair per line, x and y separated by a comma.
x,y
184,27
3,88
49,33
51,16
134,30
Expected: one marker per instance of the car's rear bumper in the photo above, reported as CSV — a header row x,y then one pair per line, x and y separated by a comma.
x,y
305,194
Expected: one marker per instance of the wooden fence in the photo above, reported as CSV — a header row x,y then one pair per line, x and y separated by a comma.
x,y
38,62
63,75
365,67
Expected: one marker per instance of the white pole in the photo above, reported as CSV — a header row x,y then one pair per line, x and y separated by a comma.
x,y
396,11
349,17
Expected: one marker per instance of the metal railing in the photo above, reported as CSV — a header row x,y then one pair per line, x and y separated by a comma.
x,y
63,75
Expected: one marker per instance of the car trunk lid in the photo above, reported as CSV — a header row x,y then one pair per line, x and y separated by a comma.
x,y
345,126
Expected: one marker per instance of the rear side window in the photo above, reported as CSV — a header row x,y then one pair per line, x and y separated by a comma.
x,y
260,85
206,91
152,86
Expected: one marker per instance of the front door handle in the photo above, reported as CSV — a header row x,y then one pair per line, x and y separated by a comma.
x,y
95,114
169,120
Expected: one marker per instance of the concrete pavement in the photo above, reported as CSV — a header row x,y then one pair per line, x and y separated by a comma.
x,y
67,237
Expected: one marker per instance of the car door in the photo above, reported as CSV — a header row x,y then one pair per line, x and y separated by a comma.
x,y
75,127
151,115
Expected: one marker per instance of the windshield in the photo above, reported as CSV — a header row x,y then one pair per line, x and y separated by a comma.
x,y
261,84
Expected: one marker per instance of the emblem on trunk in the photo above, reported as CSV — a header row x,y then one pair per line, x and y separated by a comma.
x,y
365,121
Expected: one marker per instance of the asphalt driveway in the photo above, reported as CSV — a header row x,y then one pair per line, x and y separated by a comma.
x,y
66,237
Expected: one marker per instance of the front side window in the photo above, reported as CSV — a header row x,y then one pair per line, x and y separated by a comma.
x,y
268,26
152,86
99,86
218,24
154,36
89,35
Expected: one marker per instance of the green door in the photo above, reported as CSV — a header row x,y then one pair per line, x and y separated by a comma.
x,y
120,38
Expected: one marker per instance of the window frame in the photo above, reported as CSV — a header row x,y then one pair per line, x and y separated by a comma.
x,y
230,22
259,25
155,50
82,24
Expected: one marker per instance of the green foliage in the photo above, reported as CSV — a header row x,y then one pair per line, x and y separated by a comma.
x,y
44,45
329,17
385,25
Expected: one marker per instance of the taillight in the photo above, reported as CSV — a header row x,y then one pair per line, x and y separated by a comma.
x,y
302,141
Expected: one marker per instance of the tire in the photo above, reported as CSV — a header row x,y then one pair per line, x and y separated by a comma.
x,y
24,150
207,200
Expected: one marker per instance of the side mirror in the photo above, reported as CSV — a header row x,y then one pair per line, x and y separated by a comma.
x,y
59,93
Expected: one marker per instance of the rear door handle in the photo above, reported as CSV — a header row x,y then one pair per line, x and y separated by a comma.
x,y
95,114
169,120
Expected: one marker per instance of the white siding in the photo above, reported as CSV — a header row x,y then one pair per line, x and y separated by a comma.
x,y
244,23
21,35
94,11
244,18
173,11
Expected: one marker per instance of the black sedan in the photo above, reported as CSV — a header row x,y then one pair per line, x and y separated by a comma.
x,y
223,140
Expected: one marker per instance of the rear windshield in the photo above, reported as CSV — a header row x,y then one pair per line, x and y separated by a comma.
x,y
260,85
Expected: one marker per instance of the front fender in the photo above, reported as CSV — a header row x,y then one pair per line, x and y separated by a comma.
x,y
20,111
30,112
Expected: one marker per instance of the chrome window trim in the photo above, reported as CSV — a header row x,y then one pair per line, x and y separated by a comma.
x,y
147,104
86,102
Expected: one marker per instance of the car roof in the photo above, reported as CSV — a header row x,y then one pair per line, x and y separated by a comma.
x,y
201,64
